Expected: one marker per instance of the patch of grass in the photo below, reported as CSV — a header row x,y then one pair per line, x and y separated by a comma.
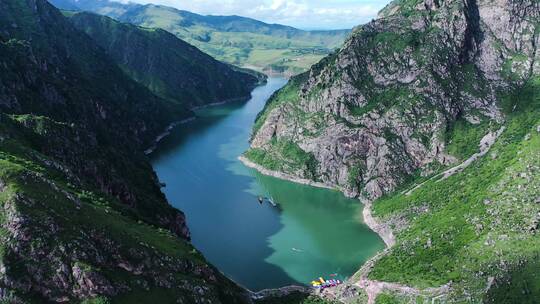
x,y
521,285
384,99
98,300
475,220
386,299
284,156
355,173
397,42
463,138
515,67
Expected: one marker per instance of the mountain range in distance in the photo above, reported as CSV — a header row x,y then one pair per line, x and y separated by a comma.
x,y
244,42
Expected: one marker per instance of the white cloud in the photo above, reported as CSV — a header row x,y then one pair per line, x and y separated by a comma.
x,y
299,13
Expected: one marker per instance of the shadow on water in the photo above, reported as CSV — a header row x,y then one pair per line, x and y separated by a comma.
x,y
312,232
196,129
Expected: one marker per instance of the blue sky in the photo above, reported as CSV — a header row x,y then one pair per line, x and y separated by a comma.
x,y
307,14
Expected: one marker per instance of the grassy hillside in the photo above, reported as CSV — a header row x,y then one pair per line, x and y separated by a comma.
x,y
479,224
411,95
237,40
82,217
169,67
97,250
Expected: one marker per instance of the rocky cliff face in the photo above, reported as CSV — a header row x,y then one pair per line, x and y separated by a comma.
x,y
386,105
82,216
66,241
51,69
168,66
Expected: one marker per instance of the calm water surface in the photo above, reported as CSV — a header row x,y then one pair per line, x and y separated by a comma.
x,y
313,232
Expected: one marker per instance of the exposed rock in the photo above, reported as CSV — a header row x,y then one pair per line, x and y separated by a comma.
x,y
280,292
90,284
377,111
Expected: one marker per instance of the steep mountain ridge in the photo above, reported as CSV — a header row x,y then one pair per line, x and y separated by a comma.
x,y
168,66
64,240
429,115
379,109
232,24
82,217
71,80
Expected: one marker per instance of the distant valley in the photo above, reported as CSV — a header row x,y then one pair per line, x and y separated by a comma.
x,y
244,42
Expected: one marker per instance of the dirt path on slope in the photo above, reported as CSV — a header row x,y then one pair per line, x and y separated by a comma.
x,y
485,145
374,288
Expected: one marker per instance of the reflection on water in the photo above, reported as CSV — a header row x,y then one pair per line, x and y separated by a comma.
x,y
312,232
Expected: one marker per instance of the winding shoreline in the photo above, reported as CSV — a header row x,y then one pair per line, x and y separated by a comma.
x,y
384,232
371,287
220,103
248,163
173,125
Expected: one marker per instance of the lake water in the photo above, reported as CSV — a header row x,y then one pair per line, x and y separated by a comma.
x,y
313,232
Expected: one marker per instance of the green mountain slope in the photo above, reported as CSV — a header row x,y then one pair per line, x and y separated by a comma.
x,y
168,66
237,40
477,230
65,240
429,86
83,218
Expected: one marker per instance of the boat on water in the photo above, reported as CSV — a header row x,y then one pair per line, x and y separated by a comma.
x,y
270,200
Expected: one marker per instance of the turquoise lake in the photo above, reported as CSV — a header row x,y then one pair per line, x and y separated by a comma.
x,y
311,233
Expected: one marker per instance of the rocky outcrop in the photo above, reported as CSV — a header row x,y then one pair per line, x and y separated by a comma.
x,y
83,252
379,109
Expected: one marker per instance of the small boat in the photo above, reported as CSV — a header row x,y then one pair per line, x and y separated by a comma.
x,y
271,201
297,250
261,199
